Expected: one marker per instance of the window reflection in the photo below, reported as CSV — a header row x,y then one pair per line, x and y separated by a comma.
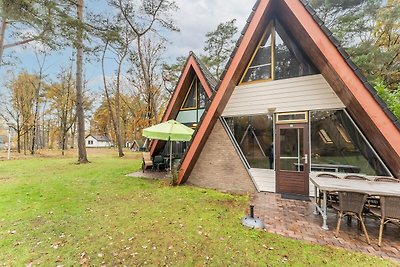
x,y
289,60
254,135
337,145
278,57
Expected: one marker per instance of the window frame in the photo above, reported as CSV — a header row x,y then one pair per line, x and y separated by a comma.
x,y
193,83
269,28
305,120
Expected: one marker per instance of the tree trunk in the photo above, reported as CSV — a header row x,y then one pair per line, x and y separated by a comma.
x,y
2,37
118,110
19,142
35,117
73,130
82,155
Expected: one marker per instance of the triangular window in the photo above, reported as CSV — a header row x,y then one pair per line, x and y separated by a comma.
x,y
202,95
260,66
277,57
190,101
196,97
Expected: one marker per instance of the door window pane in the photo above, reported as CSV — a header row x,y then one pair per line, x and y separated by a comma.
x,y
338,146
291,149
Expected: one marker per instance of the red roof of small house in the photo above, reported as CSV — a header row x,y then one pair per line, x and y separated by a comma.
x,y
193,67
362,102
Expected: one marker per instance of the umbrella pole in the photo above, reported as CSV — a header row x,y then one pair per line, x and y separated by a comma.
x,y
170,154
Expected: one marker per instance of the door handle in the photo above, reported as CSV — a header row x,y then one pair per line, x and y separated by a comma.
x,y
306,159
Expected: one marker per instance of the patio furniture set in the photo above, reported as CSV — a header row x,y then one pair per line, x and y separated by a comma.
x,y
357,196
158,162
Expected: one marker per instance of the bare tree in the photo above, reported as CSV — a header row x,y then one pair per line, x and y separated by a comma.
x,y
144,19
39,86
63,103
147,81
117,40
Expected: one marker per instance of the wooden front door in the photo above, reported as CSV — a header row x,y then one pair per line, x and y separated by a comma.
x,y
292,158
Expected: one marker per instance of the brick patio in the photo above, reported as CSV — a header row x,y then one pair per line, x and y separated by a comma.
x,y
296,219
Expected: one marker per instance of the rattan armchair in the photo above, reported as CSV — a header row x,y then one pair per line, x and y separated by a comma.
x,y
332,196
356,177
374,201
146,161
389,212
328,175
352,204
387,180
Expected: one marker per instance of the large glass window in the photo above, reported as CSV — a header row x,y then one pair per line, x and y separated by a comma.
x,y
277,57
190,101
196,97
260,66
202,95
254,135
338,146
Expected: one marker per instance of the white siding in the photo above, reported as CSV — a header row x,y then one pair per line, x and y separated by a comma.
x,y
295,94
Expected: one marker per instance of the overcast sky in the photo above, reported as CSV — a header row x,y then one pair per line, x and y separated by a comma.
x,y
194,18
197,17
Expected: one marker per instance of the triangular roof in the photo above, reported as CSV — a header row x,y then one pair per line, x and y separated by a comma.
x,y
361,100
193,67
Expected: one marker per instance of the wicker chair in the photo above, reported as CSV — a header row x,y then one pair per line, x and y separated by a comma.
x,y
356,177
328,175
386,179
373,205
332,196
352,204
146,161
389,212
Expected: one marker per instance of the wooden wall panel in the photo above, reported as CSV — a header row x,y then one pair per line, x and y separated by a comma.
x,y
295,94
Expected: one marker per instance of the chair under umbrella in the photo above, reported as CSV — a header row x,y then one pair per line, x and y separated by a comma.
x,y
169,131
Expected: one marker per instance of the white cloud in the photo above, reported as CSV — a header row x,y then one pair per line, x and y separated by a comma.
x,y
197,17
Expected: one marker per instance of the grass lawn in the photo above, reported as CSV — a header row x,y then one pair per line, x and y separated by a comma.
x,y
53,212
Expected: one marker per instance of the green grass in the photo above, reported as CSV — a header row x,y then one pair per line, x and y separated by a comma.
x,y
53,212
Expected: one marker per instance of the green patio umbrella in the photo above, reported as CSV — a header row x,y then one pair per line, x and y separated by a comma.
x,y
169,131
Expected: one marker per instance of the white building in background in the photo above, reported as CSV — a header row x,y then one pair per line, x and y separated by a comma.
x,y
97,141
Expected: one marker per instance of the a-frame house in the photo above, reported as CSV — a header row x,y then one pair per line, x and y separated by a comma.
x,y
289,104
191,96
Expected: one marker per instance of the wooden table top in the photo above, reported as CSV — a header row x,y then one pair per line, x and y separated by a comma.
x,y
368,187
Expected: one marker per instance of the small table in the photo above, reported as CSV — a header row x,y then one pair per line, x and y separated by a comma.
x,y
325,185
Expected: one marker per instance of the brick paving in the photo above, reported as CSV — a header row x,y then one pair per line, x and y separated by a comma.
x,y
296,219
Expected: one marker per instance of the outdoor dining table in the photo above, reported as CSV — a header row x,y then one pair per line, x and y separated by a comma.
x,y
325,185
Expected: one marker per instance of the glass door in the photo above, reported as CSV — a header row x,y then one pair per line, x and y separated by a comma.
x,y
291,164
